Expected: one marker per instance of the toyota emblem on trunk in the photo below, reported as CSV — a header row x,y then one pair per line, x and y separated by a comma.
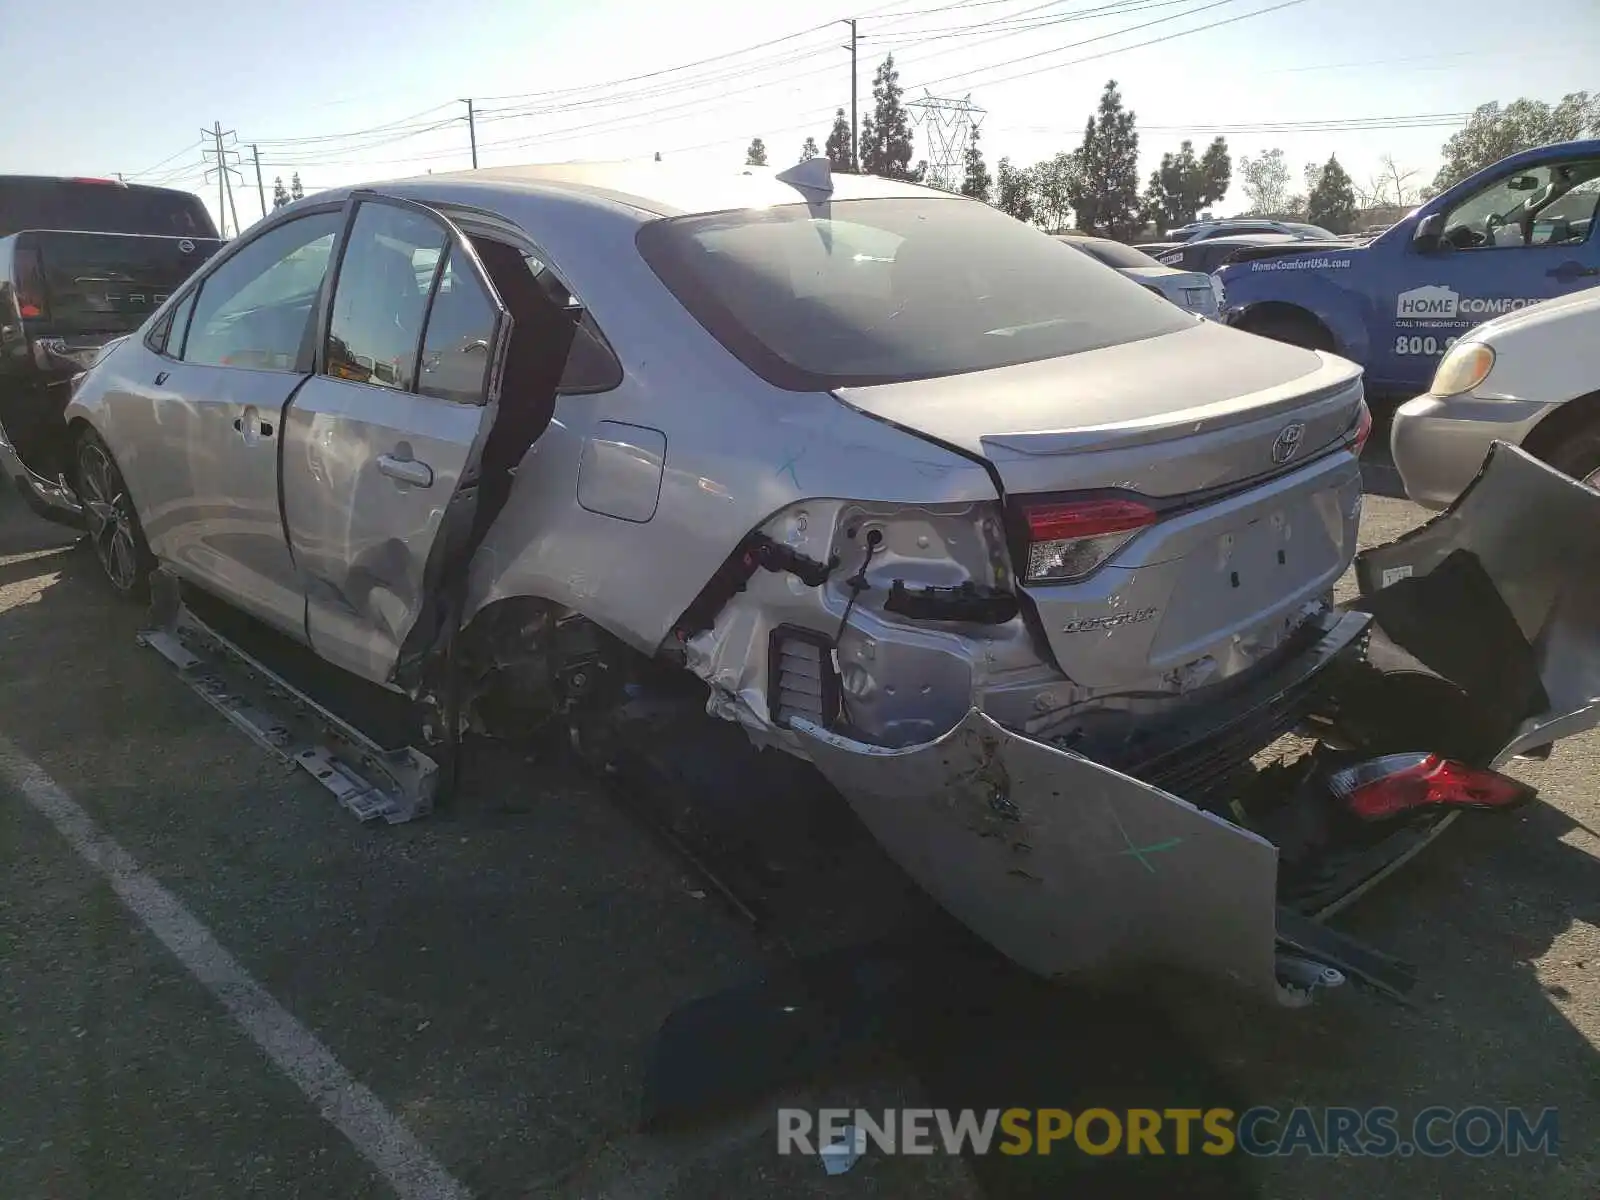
x,y
1287,444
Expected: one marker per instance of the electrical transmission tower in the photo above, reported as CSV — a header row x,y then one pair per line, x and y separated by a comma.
x,y
947,127
222,154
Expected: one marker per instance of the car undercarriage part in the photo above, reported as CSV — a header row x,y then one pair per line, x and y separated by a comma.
x,y
369,780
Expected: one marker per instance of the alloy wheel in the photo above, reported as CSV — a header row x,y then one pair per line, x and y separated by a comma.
x,y
105,503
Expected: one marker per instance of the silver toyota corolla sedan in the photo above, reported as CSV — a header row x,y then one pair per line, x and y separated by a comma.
x,y
1026,561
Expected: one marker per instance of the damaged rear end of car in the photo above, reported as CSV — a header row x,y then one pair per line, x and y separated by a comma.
x,y
1472,642
1113,718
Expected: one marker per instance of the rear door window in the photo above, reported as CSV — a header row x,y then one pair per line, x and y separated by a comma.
x,y
460,333
380,298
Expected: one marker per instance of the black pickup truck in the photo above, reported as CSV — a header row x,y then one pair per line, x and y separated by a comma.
x,y
82,263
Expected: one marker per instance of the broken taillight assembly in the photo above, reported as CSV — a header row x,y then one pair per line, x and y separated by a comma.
x,y
1401,783
1068,541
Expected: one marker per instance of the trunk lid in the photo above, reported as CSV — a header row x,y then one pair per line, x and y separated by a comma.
x,y
1237,445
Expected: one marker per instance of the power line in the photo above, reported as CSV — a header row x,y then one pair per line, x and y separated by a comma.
x,y
330,137
699,106
189,149
655,118
316,151
568,98
1040,70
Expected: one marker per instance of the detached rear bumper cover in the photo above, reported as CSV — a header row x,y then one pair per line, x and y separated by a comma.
x,y
1066,865
1062,864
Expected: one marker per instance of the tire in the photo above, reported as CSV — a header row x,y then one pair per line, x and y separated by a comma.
x,y
1290,327
1579,455
115,534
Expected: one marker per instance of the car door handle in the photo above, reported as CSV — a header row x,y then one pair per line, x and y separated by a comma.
x,y
1572,270
406,470
161,377
264,428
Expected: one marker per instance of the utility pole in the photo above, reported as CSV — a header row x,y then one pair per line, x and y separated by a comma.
x,y
261,190
855,151
472,133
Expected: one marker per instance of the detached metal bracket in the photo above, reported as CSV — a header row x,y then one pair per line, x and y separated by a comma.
x,y
368,780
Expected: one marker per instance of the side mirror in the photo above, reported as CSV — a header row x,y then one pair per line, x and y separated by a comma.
x,y
1429,233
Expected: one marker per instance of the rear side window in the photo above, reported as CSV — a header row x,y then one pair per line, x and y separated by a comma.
x,y
42,203
592,366
381,297
893,289
253,310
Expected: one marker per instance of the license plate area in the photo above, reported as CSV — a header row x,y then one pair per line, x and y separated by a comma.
x,y
1244,571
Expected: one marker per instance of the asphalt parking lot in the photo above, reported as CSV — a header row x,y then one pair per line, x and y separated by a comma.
x,y
496,976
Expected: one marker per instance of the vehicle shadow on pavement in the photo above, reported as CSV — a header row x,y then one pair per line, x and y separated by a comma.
x,y
975,1031
1495,1022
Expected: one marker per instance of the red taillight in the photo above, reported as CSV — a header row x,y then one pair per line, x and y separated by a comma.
x,y
1400,783
1361,430
1069,541
32,303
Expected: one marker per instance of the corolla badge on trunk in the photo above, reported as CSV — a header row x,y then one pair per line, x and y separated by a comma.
x,y
1109,621
1288,442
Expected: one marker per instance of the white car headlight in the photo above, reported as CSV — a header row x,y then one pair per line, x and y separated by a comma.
x,y
1465,366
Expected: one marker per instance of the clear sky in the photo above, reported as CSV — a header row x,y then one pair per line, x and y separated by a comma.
x,y
101,86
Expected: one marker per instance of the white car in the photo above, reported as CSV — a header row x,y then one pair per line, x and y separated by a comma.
x,y
1530,378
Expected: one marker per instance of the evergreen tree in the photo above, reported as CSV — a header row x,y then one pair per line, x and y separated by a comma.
x,y
280,194
976,182
886,143
756,156
837,147
1184,184
1332,203
1105,194
296,192
809,150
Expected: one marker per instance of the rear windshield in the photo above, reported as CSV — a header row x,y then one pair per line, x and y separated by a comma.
x,y
1115,254
102,283
862,292
27,203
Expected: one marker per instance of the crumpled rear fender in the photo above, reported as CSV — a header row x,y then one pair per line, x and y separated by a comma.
x,y
1536,532
1060,863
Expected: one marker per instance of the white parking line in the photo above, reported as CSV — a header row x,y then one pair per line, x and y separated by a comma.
x,y
347,1105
